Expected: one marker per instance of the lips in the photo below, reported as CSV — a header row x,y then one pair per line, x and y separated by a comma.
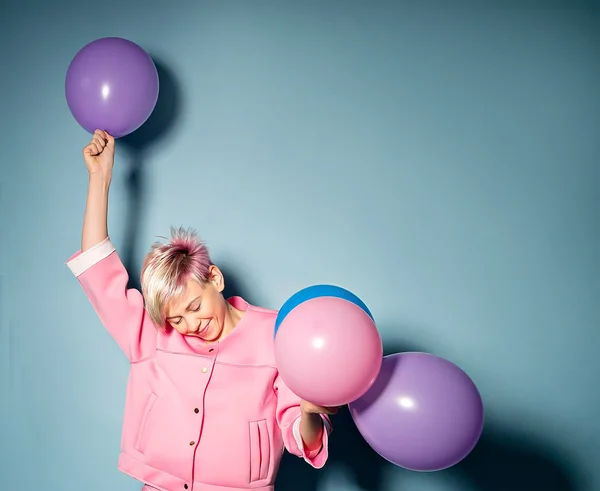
x,y
204,329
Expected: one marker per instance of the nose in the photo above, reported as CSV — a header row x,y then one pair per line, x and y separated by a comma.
x,y
195,326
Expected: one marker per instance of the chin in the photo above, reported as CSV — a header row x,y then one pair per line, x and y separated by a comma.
x,y
210,336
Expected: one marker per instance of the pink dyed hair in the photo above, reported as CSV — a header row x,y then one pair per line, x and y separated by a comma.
x,y
168,267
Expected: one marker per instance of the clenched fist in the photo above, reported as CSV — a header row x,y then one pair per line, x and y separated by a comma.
x,y
99,154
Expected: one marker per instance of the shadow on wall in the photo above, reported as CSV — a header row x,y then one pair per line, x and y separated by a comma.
x,y
159,125
502,461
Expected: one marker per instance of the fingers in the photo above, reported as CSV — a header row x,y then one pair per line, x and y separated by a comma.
x,y
100,139
326,410
95,147
108,139
92,149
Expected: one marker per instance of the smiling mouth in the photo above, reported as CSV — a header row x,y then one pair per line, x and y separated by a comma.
x,y
204,329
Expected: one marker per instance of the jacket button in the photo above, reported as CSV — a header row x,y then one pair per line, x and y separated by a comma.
x,y
192,443
196,410
185,486
204,369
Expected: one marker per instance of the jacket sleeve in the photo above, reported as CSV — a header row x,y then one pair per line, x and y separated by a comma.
x,y
104,279
288,419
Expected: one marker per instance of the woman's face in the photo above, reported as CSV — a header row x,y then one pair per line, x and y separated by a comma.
x,y
201,310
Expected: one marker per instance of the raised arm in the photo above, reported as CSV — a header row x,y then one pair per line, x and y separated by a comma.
x,y
99,157
98,267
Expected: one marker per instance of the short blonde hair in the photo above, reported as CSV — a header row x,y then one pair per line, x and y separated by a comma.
x,y
168,267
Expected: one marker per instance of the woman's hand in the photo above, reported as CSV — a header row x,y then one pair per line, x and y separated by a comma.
x,y
310,408
99,154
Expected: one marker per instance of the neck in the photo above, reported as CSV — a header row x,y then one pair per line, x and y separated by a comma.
x,y
232,319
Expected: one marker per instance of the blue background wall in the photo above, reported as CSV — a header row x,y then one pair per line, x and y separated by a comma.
x,y
441,162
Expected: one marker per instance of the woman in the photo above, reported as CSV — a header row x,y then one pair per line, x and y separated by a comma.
x,y
206,409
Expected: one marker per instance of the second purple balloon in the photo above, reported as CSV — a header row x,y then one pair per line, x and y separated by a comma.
x,y
423,412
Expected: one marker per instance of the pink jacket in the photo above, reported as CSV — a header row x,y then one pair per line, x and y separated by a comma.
x,y
197,417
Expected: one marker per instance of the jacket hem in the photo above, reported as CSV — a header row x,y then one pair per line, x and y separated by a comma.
x,y
162,481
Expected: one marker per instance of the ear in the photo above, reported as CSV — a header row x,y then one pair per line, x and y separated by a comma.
x,y
215,276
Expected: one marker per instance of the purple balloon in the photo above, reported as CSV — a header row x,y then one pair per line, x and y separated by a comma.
x,y
423,413
112,85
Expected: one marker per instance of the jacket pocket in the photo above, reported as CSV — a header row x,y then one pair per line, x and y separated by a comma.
x,y
142,437
260,450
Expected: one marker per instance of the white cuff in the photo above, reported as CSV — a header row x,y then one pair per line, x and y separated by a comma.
x,y
85,260
298,436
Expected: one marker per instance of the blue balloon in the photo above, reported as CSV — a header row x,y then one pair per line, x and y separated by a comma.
x,y
316,291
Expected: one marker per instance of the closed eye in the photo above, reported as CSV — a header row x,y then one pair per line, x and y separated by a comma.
x,y
178,320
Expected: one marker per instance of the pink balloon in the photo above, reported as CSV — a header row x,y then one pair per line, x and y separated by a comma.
x,y
328,351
